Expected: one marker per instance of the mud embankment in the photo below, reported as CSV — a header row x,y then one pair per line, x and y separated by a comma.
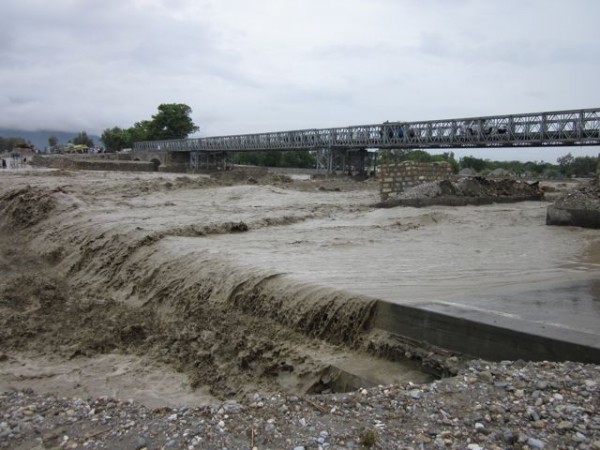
x,y
81,163
77,291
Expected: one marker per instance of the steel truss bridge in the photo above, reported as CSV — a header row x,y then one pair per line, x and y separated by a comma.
x,y
555,128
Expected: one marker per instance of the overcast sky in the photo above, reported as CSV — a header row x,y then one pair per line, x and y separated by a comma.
x,y
268,65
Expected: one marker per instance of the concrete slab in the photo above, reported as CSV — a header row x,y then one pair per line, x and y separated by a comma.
x,y
520,332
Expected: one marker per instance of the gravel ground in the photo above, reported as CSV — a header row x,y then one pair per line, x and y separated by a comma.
x,y
487,406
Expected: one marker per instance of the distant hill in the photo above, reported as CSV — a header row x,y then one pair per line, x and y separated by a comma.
x,y
39,138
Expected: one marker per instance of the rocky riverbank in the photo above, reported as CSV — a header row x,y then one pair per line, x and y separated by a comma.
x,y
486,406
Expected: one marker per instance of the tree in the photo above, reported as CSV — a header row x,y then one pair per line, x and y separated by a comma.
x,y
114,139
52,141
476,164
565,164
140,131
584,166
172,121
8,143
83,139
298,158
449,157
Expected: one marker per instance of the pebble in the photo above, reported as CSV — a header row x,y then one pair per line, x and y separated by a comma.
x,y
564,426
470,411
416,394
535,443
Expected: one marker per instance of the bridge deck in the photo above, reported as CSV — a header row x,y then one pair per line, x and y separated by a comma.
x,y
557,128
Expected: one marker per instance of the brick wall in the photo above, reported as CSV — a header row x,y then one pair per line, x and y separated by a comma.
x,y
396,177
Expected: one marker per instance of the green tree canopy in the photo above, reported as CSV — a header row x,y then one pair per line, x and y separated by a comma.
x,y
52,141
114,139
172,121
83,139
580,166
290,158
476,164
140,131
8,143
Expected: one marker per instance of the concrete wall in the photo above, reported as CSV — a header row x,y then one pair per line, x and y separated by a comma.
x,y
496,338
77,163
165,161
395,178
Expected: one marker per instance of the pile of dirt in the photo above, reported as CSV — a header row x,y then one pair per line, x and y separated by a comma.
x,y
578,207
465,191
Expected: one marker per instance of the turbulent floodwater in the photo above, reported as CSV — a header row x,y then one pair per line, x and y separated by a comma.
x,y
257,285
500,259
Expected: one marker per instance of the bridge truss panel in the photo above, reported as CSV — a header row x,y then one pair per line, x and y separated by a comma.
x,y
573,127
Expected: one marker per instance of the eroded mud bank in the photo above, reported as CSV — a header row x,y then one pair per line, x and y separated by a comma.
x,y
76,285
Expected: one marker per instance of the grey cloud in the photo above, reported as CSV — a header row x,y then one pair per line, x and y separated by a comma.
x,y
507,51
355,51
244,67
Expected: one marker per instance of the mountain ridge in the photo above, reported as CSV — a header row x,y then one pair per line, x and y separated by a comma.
x,y
39,138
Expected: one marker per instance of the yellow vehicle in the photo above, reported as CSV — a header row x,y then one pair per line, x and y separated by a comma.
x,y
79,148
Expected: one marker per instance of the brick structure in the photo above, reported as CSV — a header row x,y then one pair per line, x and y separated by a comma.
x,y
396,177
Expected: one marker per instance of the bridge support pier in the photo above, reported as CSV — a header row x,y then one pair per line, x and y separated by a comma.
x,y
348,161
201,160
357,162
332,160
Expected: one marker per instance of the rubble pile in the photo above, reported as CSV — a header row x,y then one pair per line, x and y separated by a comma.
x,y
466,191
578,207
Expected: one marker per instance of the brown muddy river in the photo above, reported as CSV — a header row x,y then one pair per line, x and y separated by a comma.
x,y
497,259
484,262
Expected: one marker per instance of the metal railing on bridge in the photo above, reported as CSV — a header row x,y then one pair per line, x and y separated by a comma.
x,y
557,128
